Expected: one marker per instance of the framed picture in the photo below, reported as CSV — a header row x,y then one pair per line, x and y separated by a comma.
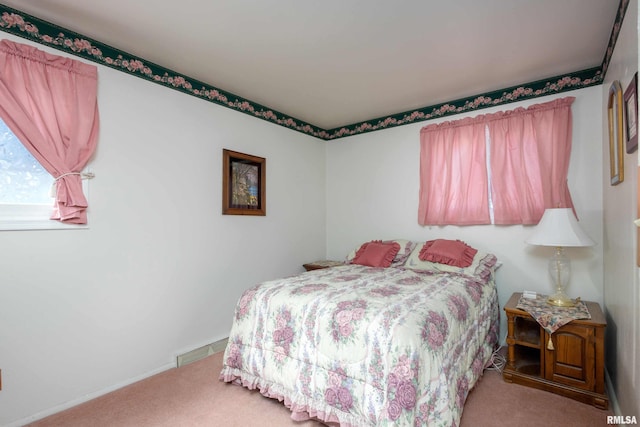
x,y
243,184
631,114
616,152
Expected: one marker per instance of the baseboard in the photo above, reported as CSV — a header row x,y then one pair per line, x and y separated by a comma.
x,y
613,400
214,347
87,397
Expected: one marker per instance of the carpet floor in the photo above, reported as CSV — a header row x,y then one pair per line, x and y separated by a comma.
x,y
192,396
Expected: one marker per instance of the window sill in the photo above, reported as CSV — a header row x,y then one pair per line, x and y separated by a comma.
x,y
46,224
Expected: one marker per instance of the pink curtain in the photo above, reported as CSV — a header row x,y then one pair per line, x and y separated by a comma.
x,y
453,174
553,123
50,103
529,162
530,152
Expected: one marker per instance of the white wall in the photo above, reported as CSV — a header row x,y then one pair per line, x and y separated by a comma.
x,y
160,269
621,294
372,193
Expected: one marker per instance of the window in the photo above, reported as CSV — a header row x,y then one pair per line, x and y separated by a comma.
x,y
502,168
22,179
50,103
25,187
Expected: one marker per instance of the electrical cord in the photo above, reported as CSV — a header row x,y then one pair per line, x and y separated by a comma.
x,y
497,361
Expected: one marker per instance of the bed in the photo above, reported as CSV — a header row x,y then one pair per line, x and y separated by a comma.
x,y
393,343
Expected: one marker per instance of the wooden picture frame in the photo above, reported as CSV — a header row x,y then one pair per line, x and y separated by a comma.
x,y
616,130
631,114
243,184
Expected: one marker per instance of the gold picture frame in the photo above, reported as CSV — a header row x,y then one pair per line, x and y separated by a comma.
x,y
243,184
616,133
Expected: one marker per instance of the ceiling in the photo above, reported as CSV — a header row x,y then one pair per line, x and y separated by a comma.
x,y
333,63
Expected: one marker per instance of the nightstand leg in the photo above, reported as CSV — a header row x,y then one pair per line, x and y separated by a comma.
x,y
511,350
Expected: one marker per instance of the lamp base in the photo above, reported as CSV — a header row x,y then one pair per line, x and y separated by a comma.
x,y
560,299
560,271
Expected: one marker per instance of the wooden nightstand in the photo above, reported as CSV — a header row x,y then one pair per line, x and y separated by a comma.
x,y
573,368
317,265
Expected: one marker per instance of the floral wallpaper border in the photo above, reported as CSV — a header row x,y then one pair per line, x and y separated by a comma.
x,y
29,27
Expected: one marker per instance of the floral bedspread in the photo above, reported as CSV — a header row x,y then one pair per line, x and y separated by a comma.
x,y
363,346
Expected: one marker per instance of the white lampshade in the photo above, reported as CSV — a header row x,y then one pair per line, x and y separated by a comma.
x,y
559,227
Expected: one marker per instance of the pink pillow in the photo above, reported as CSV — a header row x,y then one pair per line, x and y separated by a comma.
x,y
450,252
376,254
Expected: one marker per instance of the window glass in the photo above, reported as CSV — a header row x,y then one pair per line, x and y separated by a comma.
x,y
25,188
22,179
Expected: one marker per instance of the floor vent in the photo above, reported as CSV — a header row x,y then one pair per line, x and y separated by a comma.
x,y
201,352
219,345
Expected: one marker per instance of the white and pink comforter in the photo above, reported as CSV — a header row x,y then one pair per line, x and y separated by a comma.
x,y
360,346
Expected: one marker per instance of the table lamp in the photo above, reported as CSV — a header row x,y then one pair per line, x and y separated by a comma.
x,y
559,228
